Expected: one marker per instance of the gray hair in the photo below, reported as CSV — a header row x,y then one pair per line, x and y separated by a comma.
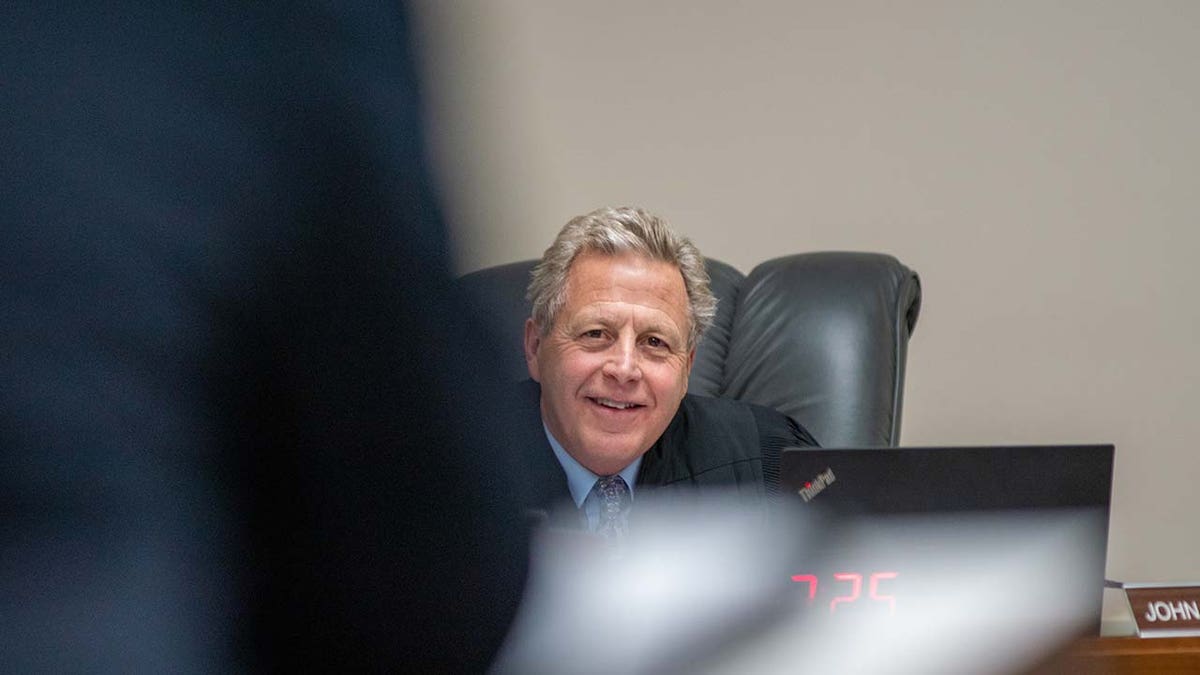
x,y
612,231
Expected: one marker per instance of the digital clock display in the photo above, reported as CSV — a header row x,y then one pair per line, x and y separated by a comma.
x,y
896,569
842,590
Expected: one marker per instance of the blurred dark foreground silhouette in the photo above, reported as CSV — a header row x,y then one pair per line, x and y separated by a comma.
x,y
242,410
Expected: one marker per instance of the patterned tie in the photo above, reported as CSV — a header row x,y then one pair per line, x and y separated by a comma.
x,y
614,500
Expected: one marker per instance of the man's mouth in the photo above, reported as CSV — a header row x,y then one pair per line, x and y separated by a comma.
x,y
614,404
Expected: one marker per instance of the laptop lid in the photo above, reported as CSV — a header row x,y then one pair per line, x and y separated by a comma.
x,y
950,479
955,531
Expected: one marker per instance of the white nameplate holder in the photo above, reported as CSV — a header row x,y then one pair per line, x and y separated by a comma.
x,y
1164,610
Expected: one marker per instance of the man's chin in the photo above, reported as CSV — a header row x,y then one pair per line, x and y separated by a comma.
x,y
609,459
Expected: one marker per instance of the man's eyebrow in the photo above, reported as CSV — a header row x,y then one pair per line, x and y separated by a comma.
x,y
607,317
663,328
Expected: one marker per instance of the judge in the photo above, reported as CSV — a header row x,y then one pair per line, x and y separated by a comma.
x,y
619,303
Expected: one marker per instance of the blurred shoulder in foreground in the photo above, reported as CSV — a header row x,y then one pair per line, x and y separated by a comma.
x,y
244,414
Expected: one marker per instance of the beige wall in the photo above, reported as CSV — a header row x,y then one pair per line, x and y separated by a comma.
x,y
1038,163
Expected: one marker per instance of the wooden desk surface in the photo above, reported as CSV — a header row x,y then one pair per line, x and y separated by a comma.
x,y
1118,655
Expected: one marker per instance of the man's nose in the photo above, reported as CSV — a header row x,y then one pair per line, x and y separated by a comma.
x,y
623,362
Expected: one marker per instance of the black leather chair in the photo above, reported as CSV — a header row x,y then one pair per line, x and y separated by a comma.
x,y
822,337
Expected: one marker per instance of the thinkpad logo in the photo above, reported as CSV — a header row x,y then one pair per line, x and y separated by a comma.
x,y
814,487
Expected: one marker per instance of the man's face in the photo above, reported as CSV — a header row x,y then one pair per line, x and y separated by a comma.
x,y
614,366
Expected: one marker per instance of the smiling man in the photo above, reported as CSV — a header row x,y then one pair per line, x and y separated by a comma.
x,y
619,305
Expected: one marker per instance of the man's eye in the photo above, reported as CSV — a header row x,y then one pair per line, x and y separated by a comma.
x,y
594,334
656,343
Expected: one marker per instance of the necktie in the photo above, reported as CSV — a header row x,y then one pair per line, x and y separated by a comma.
x,y
614,499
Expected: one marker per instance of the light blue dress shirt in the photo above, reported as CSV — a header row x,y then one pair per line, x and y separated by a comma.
x,y
580,479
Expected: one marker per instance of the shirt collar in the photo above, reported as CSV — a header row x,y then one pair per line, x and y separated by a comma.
x,y
580,479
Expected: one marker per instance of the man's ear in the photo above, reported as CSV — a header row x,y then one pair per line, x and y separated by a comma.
x,y
691,360
533,340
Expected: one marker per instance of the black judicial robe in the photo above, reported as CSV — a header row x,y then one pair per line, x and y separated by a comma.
x,y
710,443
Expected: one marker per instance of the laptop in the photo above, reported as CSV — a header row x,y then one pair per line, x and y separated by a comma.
x,y
1013,535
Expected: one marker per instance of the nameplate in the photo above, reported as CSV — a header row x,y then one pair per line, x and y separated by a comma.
x,y
1165,610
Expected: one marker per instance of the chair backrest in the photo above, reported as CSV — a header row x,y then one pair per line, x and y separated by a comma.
x,y
822,337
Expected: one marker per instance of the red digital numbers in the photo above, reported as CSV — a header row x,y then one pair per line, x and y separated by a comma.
x,y
854,592
874,590
809,579
855,581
